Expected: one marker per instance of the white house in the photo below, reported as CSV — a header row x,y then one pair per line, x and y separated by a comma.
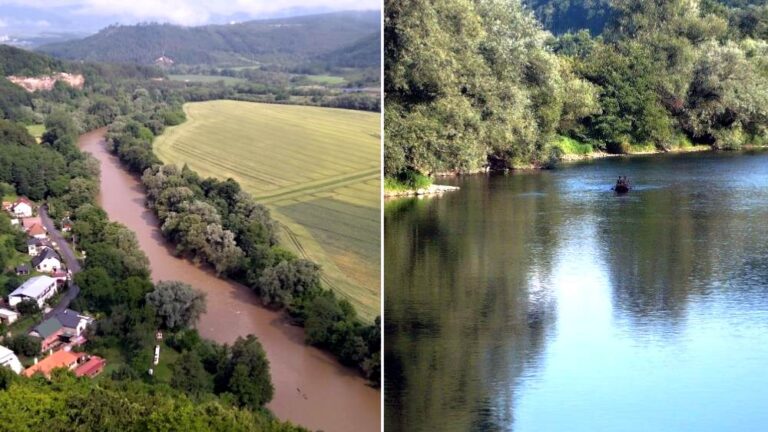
x,y
22,207
38,288
34,246
8,316
46,261
8,359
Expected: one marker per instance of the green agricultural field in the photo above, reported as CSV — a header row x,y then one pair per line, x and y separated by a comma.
x,y
316,168
326,79
206,79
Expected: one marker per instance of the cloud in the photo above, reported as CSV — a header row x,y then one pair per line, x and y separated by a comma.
x,y
190,12
2,23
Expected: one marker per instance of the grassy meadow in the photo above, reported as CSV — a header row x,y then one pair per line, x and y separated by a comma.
x,y
316,168
206,79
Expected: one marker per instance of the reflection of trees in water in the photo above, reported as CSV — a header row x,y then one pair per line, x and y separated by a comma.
x,y
664,247
468,304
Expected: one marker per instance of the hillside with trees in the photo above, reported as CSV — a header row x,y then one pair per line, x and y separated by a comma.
x,y
285,41
481,84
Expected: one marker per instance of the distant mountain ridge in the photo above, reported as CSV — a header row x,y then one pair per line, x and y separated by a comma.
x,y
283,40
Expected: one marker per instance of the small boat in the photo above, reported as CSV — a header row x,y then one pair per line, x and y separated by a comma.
x,y
622,185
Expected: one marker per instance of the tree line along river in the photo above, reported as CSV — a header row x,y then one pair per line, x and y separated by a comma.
x,y
311,388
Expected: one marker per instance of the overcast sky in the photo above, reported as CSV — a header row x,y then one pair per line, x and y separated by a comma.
x,y
34,16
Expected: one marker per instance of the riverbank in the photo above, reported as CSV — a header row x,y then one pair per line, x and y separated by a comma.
x,y
432,189
311,387
575,157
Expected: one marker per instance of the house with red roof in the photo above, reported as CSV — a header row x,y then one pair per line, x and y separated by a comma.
x,y
37,231
82,364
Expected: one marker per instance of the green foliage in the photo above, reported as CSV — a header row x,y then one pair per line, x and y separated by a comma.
x,y
245,373
570,146
28,307
82,405
24,344
464,92
178,305
279,284
470,84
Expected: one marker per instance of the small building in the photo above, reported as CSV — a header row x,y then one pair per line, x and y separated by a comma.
x,y
15,222
22,270
47,261
29,222
7,206
23,207
64,328
81,364
91,368
8,359
37,231
35,246
8,316
38,288
66,225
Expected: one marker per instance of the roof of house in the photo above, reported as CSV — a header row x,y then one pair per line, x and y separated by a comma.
x,y
23,200
48,327
22,268
90,367
34,241
36,229
5,352
68,318
8,312
34,287
44,255
30,221
62,319
56,360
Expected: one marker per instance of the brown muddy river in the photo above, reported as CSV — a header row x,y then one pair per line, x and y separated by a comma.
x,y
311,388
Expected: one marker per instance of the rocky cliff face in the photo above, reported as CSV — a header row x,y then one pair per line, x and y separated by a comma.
x,y
32,84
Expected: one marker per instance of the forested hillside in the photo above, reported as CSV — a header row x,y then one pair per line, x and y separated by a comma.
x,y
285,41
479,84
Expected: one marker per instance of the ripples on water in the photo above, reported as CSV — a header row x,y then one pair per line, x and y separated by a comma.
x,y
544,302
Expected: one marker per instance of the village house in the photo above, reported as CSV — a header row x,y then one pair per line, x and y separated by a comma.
x,y
81,364
38,288
8,316
8,359
37,231
29,222
64,328
23,207
47,261
66,225
35,246
22,270
7,206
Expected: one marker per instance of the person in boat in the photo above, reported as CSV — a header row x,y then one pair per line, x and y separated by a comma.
x,y
622,184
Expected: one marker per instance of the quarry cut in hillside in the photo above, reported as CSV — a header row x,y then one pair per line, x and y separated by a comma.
x,y
46,82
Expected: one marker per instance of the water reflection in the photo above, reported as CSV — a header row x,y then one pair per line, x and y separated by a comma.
x,y
542,301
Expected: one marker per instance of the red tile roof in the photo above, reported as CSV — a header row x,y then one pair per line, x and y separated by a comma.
x,y
36,229
91,368
59,359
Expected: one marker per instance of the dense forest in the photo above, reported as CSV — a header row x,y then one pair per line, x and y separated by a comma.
x,y
483,85
293,41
